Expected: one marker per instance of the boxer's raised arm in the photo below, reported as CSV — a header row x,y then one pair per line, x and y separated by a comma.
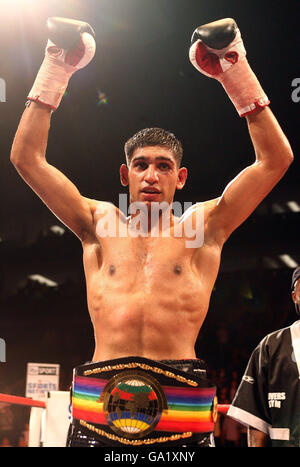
x,y
52,186
71,46
243,194
218,51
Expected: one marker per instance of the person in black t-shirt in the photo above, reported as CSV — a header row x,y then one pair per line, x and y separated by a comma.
x,y
267,400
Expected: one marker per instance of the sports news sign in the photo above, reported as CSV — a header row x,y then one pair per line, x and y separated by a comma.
x,y
40,379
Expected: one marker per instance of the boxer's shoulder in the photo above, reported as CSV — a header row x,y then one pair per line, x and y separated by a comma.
x,y
198,214
104,211
100,208
203,207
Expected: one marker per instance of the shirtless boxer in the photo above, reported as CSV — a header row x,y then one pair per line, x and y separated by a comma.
x,y
148,296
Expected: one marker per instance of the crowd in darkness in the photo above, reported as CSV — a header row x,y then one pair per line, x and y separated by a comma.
x,y
51,325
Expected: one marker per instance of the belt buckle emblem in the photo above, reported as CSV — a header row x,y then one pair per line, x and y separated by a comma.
x,y
133,402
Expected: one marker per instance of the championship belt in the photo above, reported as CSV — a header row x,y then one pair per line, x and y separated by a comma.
x,y
135,401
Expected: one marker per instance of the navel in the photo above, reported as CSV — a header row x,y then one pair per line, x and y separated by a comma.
x,y
177,269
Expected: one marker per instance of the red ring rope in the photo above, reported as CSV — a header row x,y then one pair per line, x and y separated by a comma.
x,y
222,408
21,401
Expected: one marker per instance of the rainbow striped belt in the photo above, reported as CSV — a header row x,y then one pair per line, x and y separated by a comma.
x,y
137,401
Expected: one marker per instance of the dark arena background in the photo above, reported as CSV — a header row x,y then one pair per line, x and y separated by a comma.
x,y
141,77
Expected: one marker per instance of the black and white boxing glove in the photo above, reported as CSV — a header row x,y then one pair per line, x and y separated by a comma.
x,y
218,51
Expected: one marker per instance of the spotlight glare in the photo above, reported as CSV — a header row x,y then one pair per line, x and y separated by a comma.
x,y
293,206
288,261
43,280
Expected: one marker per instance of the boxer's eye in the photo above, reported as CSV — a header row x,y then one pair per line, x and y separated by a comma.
x,y
164,166
141,165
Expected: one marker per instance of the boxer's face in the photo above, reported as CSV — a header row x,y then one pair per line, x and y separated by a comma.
x,y
153,175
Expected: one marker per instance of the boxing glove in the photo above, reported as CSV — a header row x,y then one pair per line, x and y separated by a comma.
x,y
70,47
217,51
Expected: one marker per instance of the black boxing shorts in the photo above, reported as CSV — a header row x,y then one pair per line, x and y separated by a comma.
x,y
139,402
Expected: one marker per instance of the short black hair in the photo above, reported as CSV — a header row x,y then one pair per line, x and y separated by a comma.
x,y
153,137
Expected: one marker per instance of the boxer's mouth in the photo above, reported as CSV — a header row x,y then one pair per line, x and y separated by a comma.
x,y
152,191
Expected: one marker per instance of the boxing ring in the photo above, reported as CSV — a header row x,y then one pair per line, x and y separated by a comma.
x,y
50,419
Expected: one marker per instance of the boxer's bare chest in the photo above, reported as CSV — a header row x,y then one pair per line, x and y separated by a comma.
x,y
150,263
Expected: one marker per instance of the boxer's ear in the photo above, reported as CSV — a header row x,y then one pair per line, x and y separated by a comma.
x,y
181,179
124,175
